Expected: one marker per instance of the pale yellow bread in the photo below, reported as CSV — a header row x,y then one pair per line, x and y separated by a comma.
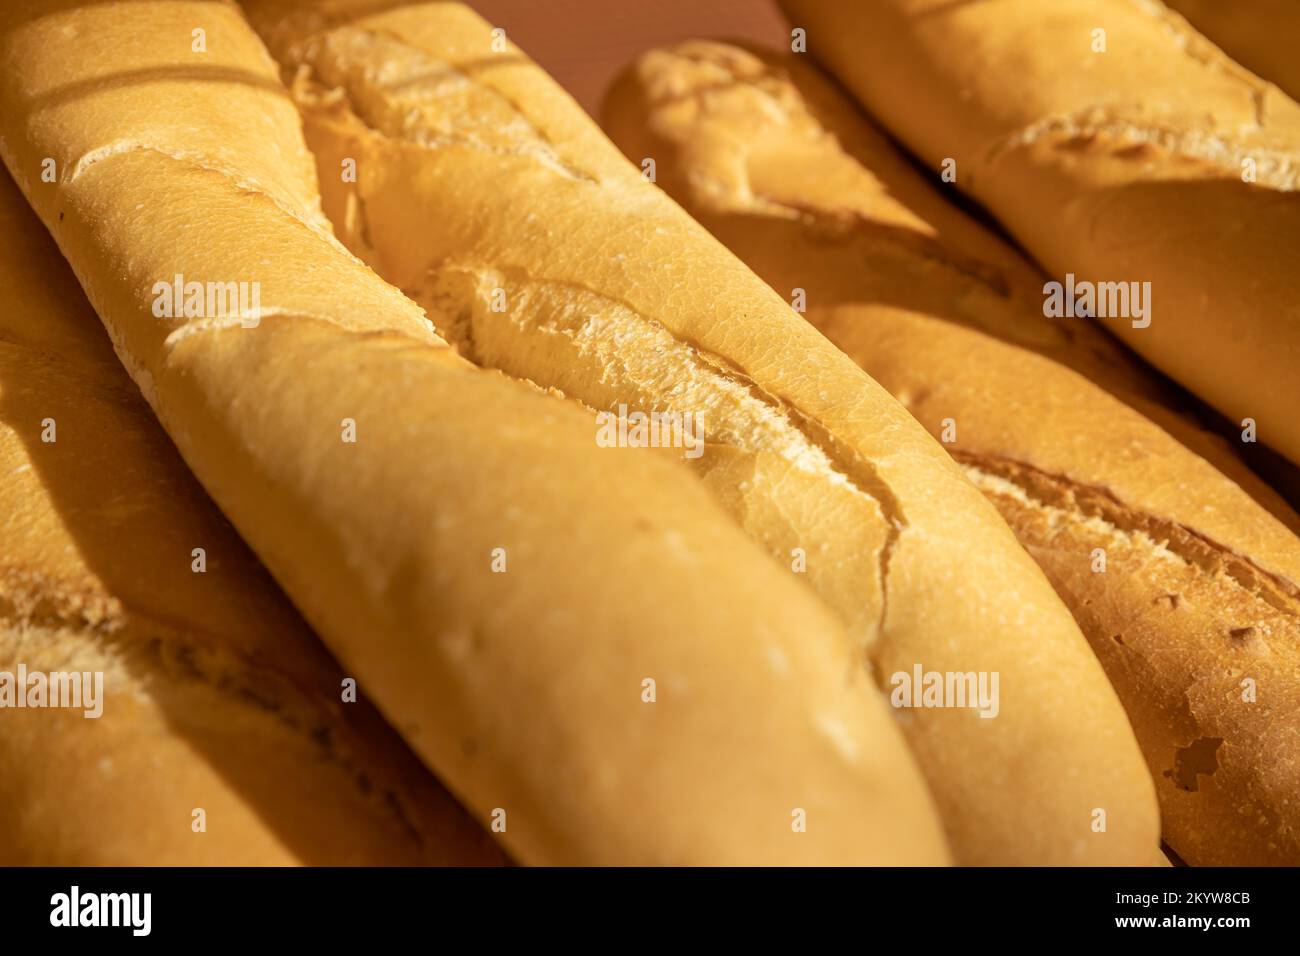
x,y
1199,591
478,180
215,694
1156,160
526,690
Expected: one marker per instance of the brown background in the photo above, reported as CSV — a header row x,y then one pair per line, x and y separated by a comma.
x,y
585,43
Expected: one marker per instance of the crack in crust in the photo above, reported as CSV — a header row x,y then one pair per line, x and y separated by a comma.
x,y
781,99
1192,621
313,219
332,74
756,89
1045,490
1101,128
617,347
827,225
402,101
1129,137
123,634
419,100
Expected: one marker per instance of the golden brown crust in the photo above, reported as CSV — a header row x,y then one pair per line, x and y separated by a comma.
x,y
615,297
1200,645
1140,163
1259,34
216,696
523,689
1199,590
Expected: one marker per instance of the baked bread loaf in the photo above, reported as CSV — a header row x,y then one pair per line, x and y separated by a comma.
x,y
214,696
1120,148
486,194
1259,34
1195,612
575,638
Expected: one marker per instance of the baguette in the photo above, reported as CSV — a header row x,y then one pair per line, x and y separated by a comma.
x,y
1259,34
214,694
1139,164
615,297
635,683
1199,591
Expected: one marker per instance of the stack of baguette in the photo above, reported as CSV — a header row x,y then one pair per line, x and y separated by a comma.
x,y
1185,585
645,654
1118,145
216,696
524,688
639,307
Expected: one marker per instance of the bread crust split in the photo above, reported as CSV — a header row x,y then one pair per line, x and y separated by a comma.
x,y
477,178
1199,589
523,690
1156,159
